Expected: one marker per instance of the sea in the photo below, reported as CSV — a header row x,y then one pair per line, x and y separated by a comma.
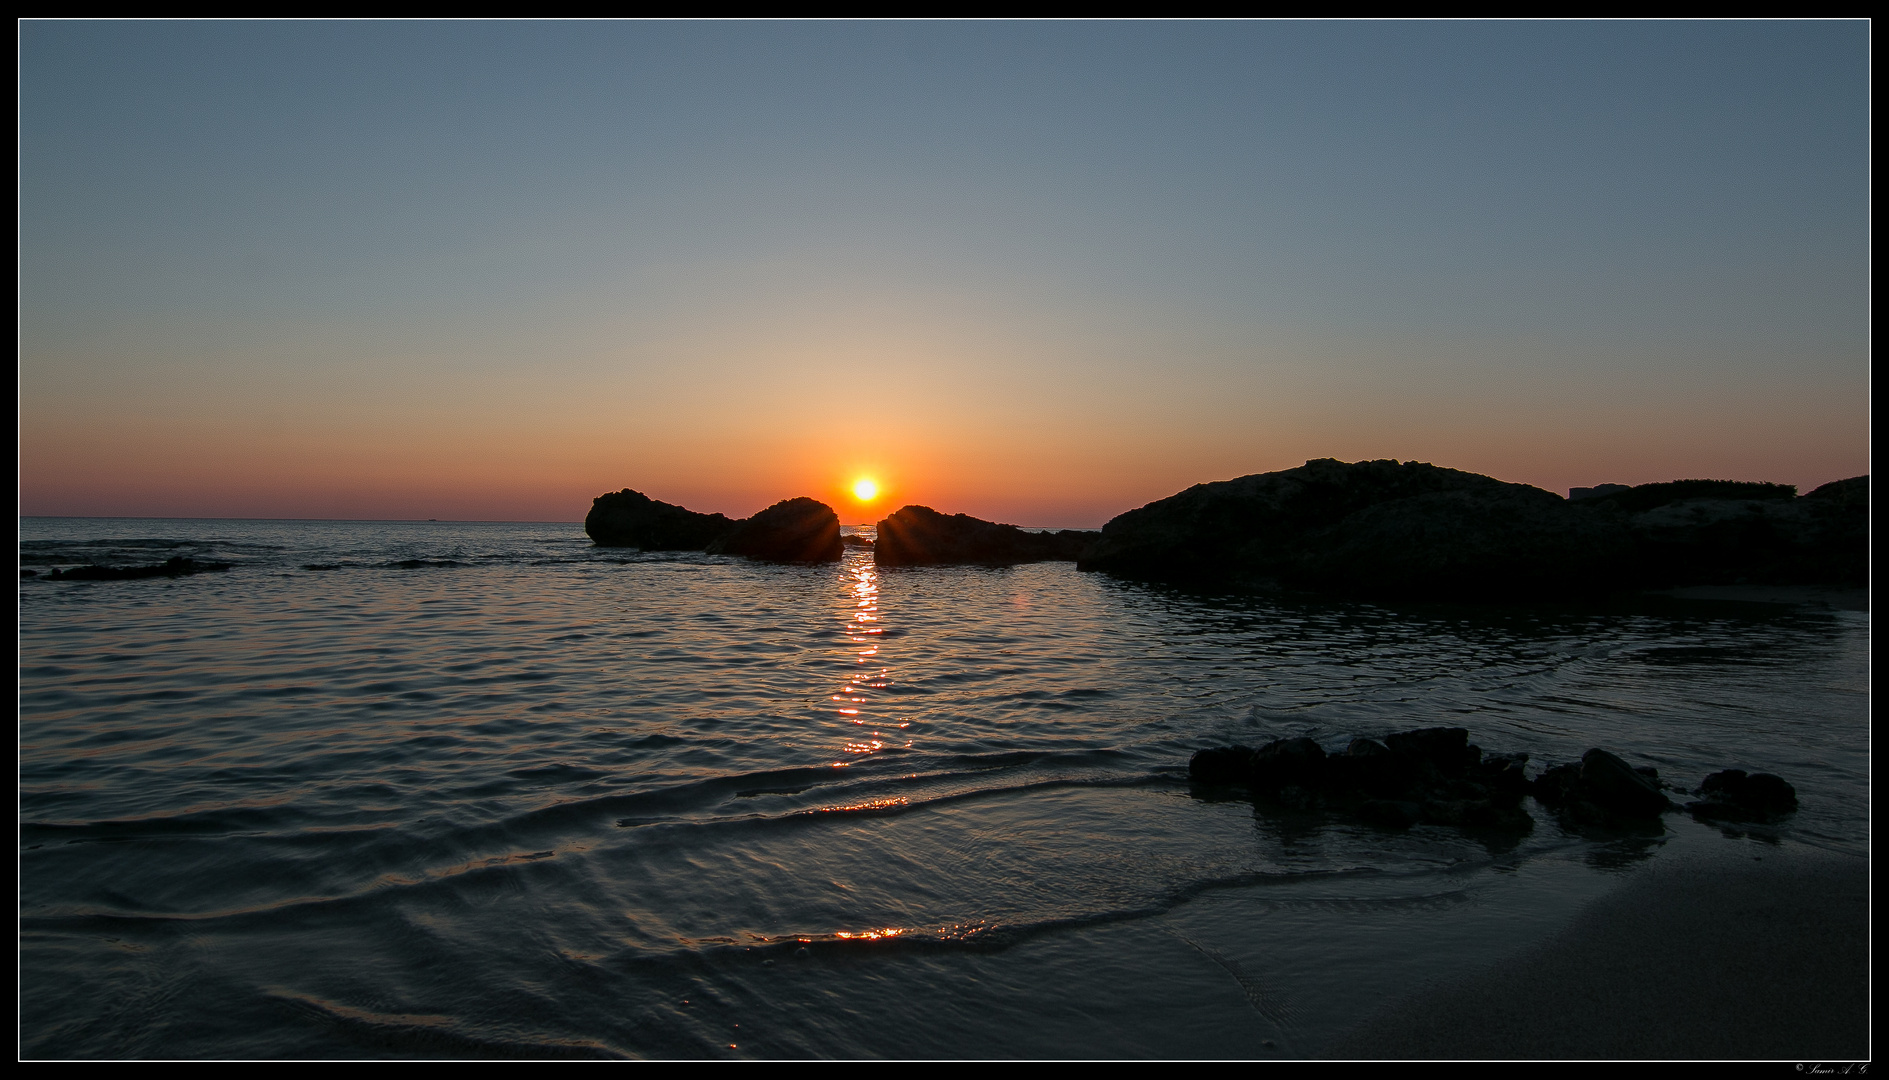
x,y
448,790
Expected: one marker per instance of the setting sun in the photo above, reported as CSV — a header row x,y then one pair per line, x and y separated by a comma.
x,y
865,490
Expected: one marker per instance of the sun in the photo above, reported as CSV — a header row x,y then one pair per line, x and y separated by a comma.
x,y
865,490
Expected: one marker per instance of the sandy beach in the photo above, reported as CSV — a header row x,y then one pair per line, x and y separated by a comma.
x,y
1759,957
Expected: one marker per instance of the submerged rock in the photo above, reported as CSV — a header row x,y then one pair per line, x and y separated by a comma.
x,y
1412,530
631,519
921,536
793,530
1734,795
172,567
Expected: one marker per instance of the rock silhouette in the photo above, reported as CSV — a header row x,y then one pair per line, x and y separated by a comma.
x,y
1383,528
1734,795
1428,776
921,536
631,519
793,530
1602,789
1411,530
1436,776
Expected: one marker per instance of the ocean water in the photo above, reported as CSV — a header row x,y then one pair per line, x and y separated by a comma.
x,y
485,790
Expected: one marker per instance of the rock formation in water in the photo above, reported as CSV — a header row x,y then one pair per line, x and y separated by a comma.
x,y
794,530
1693,532
1375,527
1734,795
1602,790
1432,775
1435,776
921,536
1407,529
631,519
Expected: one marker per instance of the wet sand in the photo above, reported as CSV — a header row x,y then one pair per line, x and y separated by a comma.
x,y
1744,958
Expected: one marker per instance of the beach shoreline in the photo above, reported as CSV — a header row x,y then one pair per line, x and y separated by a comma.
x,y
1832,597
1747,955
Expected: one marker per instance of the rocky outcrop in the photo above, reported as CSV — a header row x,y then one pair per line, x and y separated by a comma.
x,y
1381,528
1411,530
1436,776
171,568
1734,795
793,530
1716,532
1428,776
921,536
1602,790
631,519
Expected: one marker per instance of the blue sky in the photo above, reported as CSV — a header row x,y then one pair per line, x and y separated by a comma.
x,y
1043,271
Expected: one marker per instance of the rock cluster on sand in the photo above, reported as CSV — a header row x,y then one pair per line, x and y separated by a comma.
x,y
793,530
173,567
1602,790
1432,776
1734,795
1435,776
921,536
1411,530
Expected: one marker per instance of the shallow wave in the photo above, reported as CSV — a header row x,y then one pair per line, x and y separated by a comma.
x,y
340,812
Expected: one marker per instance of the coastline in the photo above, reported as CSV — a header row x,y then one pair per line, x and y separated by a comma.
x,y
1834,598
1758,955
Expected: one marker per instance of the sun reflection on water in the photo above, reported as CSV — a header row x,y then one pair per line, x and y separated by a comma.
x,y
861,633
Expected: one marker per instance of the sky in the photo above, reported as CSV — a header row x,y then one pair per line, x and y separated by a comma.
x,y
1039,272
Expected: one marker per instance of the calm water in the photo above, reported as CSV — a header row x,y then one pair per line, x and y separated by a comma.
x,y
487,790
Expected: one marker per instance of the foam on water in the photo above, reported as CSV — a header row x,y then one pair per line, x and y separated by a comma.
x,y
446,789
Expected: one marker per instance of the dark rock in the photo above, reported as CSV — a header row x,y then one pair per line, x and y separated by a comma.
x,y
1504,776
1493,814
1382,528
1295,797
1432,775
1614,786
1576,494
1411,530
171,568
1369,768
1734,795
793,530
1287,763
856,541
29,573
631,519
921,536
1221,765
1446,748
1390,813
1601,789
1555,787
1720,532
1644,497
1435,776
